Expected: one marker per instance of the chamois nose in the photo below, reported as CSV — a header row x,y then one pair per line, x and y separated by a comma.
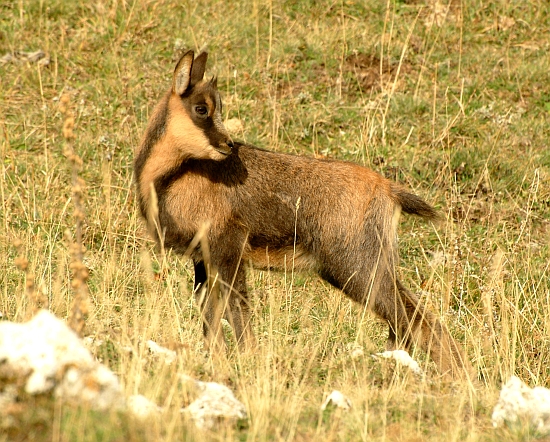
x,y
230,144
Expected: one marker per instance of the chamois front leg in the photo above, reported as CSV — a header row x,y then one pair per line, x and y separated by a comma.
x,y
238,309
209,295
226,258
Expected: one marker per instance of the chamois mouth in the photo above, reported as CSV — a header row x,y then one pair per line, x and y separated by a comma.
x,y
226,148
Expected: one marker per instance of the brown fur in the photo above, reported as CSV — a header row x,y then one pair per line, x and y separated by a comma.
x,y
277,210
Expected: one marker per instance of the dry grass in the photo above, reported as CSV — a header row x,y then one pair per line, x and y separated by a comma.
x,y
450,99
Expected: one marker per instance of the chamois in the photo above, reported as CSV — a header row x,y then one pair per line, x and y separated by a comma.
x,y
267,208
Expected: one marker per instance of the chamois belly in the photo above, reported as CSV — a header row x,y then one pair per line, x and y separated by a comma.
x,y
281,258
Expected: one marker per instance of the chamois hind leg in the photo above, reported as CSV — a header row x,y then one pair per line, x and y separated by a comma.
x,y
396,341
376,286
411,322
211,306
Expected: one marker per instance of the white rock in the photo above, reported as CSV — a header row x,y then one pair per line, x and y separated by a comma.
x,y
215,403
337,399
402,358
169,355
45,355
141,407
518,401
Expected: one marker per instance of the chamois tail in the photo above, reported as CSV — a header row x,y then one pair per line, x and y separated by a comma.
x,y
414,205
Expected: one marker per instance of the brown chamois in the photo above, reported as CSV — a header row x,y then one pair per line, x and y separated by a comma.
x,y
334,217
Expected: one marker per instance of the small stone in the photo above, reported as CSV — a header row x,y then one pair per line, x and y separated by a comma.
x,y
234,126
402,358
215,403
338,400
169,356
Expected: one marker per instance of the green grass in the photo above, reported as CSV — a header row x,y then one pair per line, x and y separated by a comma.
x,y
458,112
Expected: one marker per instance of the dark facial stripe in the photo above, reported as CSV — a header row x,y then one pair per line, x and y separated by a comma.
x,y
198,96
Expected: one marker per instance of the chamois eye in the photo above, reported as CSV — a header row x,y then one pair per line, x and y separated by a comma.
x,y
201,110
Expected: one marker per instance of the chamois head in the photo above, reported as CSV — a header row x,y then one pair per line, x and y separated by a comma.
x,y
195,109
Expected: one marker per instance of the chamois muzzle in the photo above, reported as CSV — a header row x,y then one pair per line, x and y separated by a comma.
x,y
225,148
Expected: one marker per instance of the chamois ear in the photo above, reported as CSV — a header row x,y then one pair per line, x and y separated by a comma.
x,y
182,73
199,66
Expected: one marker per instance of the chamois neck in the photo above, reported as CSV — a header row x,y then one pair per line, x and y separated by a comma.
x,y
154,157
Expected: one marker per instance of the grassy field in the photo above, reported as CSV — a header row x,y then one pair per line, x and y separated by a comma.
x,y
451,99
